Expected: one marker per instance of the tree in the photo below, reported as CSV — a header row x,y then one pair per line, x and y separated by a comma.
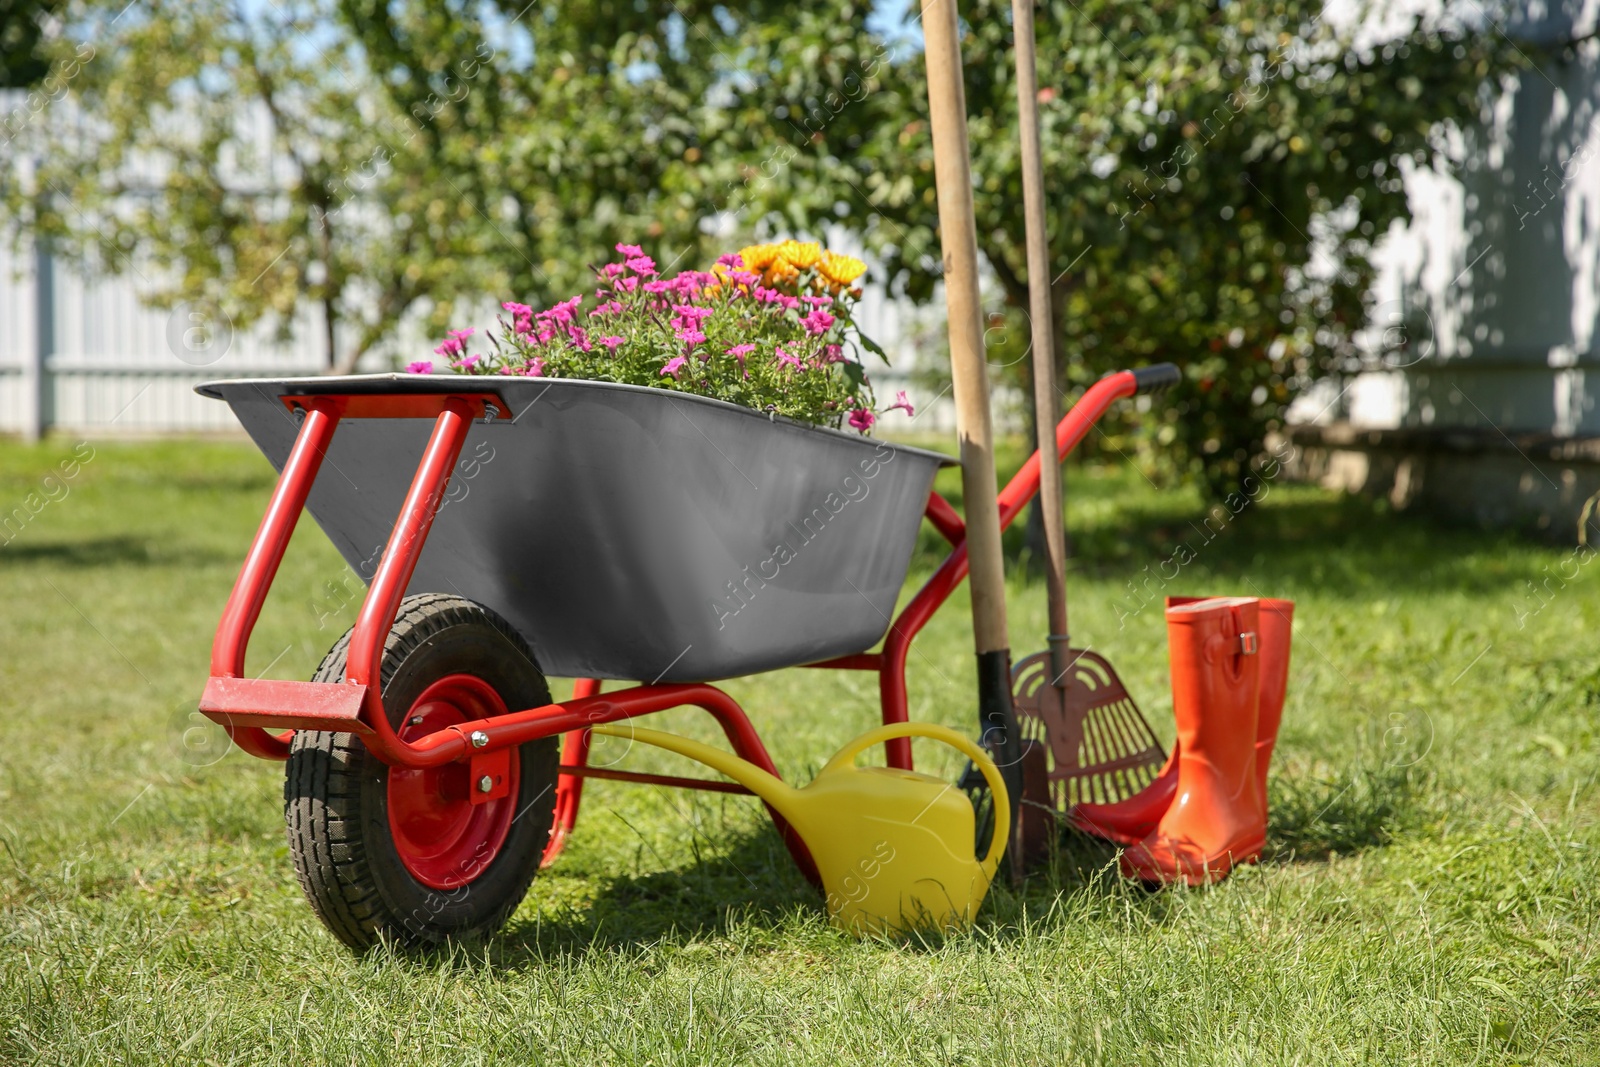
x,y
22,33
1217,174
376,159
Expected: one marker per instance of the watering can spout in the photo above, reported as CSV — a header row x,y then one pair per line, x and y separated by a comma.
x,y
894,847
768,787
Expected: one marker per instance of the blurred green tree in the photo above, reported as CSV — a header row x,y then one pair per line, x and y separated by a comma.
x,y
1217,178
1218,174
375,158
22,32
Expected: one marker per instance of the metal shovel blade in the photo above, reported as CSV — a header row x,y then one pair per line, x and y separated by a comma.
x,y
1100,749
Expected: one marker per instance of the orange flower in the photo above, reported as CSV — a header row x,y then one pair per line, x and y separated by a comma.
x,y
840,270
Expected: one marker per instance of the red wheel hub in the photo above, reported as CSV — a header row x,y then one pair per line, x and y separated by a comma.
x,y
444,839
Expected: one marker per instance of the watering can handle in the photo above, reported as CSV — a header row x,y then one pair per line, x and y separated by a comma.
x,y
846,757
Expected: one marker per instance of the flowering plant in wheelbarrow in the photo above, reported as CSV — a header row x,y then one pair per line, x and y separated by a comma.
x,y
770,327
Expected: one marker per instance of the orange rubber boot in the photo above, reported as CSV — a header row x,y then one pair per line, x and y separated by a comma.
x,y
1129,821
1277,623
1217,818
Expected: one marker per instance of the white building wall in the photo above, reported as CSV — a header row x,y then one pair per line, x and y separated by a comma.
x,y
1495,284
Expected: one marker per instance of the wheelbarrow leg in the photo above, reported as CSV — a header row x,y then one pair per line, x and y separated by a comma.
x,y
261,566
569,787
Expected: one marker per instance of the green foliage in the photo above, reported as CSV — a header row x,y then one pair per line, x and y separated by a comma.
x,y
373,159
22,30
1216,177
1217,174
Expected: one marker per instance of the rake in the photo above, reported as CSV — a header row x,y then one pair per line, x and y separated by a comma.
x,y
1097,746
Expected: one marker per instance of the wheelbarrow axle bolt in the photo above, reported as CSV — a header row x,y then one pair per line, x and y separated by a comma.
x,y
479,739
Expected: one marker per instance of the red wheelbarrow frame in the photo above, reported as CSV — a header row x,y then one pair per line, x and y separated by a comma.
x,y
250,709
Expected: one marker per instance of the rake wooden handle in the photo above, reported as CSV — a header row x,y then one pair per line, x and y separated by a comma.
x,y
1046,404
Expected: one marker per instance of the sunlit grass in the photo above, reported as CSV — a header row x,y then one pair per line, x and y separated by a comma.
x,y
1430,894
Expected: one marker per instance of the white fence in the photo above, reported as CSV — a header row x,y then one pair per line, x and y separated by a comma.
x,y
86,355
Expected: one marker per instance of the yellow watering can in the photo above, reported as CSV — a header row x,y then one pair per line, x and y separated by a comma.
x,y
894,847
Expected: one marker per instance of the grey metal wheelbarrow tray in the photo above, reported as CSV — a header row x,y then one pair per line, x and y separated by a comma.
x,y
626,532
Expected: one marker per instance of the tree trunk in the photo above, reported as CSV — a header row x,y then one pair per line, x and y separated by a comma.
x,y
328,320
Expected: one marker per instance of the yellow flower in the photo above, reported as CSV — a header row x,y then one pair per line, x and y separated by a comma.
x,y
840,270
780,272
757,257
803,256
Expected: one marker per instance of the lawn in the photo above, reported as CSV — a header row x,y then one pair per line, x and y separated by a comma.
x,y
1431,893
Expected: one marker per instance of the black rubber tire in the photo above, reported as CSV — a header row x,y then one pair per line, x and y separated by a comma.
x,y
335,793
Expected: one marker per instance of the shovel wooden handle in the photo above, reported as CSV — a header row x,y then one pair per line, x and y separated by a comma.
x,y
958,237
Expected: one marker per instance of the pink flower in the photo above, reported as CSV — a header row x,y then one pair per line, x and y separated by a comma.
x,y
610,307
613,269
421,366
832,354
611,342
738,352
674,366
862,419
629,250
817,301
466,362
900,402
535,368
786,358
658,286
580,337
627,285
818,322
563,312
642,265
730,259
455,343
772,296
692,337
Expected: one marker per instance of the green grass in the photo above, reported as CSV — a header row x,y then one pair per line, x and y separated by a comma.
x,y
1430,895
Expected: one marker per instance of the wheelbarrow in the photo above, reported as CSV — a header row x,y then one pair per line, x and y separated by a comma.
x,y
515,529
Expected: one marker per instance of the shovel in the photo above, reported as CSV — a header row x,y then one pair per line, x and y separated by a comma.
x,y
958,239
1083,737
